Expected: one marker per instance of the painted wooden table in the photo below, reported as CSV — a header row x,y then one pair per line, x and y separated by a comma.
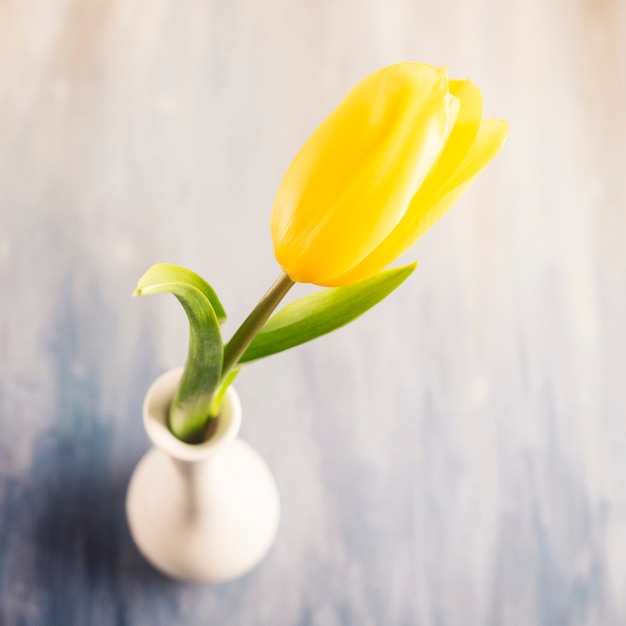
x,y
455,458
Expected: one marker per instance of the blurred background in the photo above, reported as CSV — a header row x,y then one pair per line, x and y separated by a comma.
x,y
455,457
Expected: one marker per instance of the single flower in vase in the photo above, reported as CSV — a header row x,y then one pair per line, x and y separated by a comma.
x,y
380,170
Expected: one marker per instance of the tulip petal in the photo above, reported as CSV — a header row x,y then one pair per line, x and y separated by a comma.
x,y
354,178
489,140
461,138
421,216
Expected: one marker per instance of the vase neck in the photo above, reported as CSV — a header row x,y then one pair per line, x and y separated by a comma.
x,y
155,416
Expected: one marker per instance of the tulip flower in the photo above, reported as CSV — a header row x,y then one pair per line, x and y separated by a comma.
x,y
384,166
394,156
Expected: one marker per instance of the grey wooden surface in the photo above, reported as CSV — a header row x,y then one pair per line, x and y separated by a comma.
x,y
455,458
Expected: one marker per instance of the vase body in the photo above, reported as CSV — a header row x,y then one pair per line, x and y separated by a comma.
x,y
206,512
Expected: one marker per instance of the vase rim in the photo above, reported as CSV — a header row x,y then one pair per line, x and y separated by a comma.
x,y
155,408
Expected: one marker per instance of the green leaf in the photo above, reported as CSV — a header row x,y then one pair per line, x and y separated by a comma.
x,y
219,394
190,410
156,279
322,312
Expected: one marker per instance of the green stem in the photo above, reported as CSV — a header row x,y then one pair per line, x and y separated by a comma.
x,y
244,335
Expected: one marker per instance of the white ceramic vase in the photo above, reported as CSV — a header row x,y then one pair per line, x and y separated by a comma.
x,y
207,512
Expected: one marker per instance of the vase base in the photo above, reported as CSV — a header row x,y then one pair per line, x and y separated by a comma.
x,y
213,526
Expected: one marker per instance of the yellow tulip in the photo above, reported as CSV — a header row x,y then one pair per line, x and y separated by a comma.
x,y
381,169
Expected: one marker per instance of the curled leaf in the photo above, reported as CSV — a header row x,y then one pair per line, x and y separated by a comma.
x,y
191,407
